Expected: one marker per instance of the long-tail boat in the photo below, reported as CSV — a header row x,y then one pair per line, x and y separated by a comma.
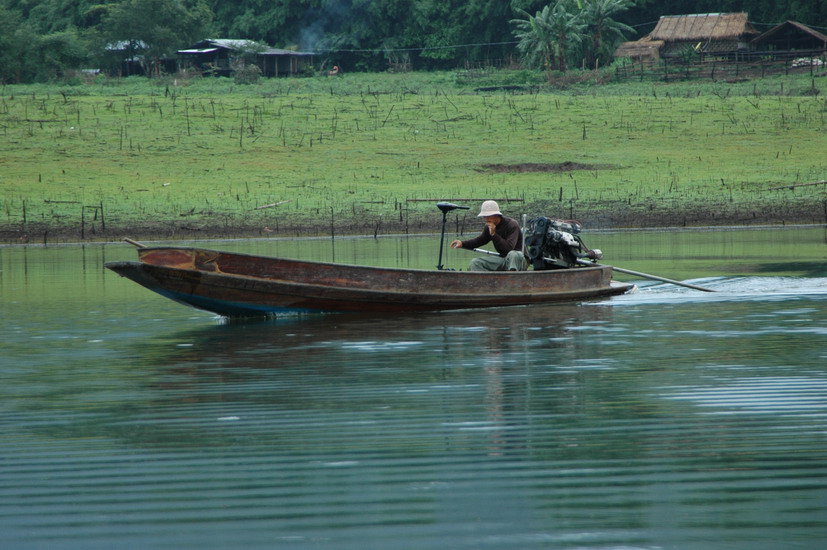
x,y
233,284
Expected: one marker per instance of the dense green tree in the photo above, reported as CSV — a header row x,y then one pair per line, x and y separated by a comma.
x,y
16,38
55,16
452,31
437,29
155,28
384,27
488,22
350,26
275,22
26,55
60,52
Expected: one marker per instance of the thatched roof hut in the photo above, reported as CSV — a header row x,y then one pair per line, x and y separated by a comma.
x,y
705,33
702,26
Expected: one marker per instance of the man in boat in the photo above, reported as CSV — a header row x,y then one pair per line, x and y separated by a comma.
x,y
507,237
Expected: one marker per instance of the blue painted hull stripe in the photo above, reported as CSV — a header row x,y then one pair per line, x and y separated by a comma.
x,y
224,307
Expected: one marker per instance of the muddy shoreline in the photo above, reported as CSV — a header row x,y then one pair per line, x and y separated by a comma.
x,y
592,217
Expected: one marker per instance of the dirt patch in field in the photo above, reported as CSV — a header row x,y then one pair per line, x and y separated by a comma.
x,y
543,167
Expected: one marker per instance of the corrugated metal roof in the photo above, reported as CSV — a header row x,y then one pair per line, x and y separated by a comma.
x,y
276,51
213,44
199,50
234,43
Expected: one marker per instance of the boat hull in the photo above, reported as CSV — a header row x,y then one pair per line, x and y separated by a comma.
x,y
233,284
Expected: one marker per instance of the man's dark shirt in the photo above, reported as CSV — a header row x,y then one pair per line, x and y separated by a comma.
x,y
508,237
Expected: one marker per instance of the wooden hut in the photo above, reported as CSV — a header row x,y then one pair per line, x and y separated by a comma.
x,y
276,62
791,36
640,51
218,56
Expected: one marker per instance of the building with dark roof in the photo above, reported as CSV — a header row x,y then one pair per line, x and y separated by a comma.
x,y
218,56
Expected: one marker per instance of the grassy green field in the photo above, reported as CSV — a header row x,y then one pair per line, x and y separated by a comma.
x,y
368,154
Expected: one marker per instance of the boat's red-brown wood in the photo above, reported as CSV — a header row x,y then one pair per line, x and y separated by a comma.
x,y
242,284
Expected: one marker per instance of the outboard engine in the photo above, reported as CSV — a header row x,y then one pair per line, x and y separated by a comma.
x,y
555,244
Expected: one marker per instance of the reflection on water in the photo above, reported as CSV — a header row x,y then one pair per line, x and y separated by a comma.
x,y
667,418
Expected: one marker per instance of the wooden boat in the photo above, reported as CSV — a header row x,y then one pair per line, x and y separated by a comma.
x,y
232,284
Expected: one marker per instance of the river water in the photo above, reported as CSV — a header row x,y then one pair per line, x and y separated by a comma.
x,y
667,418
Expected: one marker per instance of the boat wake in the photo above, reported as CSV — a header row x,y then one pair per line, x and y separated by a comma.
x,y
727,289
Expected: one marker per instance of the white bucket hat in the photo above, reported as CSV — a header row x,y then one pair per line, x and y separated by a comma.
x,y
489,208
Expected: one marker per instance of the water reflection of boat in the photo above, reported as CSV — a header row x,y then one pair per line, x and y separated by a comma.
x,y
238,339
294,341
232,284
382,355
335,372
